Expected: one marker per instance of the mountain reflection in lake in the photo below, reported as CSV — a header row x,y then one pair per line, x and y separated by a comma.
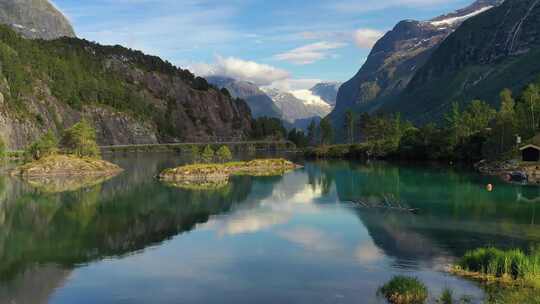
x,y
284,239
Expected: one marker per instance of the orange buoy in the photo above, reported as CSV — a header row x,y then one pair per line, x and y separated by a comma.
x,y
489,187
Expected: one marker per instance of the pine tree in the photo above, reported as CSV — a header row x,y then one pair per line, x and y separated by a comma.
x,y
207,154
327,133
45,146
349,123
223,154
80,140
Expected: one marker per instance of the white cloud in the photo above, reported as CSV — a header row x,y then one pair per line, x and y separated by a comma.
x,y
310,239
263,75
366,38
257,73
291,84
310,53
355,6
368,253
247,221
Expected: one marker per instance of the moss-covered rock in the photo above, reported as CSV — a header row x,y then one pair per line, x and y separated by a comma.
x,y
66,165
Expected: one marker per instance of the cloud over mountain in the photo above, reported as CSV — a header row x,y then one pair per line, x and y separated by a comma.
x,y
310,53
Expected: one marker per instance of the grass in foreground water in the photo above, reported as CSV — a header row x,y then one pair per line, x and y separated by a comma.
x,y
511,266
404,290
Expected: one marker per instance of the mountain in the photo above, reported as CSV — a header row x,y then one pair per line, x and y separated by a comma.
x,y
259,103
35,19
395,59
130,97
497,49
298,105
327,91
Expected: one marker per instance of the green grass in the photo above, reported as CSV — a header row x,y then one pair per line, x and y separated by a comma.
x,y
404,290
513,265
447,297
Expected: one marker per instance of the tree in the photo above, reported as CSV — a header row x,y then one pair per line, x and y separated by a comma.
x,y
349,124
45,146
476,117
194,153
531,102
3,152
454,123
268,128
80,140
223,154
298,138
505,122
327,133
312,132
207,154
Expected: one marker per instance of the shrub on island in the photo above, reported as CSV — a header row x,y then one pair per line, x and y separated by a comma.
x,y
81,155
404,290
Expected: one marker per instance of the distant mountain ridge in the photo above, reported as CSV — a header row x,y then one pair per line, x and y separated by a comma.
x,y
35,19
293,106
395,59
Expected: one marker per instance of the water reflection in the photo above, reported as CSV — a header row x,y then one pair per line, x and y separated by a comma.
x,y
283,239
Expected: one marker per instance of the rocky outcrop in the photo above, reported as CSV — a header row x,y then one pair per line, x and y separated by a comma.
x,y
35,19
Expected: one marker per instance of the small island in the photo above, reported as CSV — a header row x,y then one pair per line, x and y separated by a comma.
x,y
215,175
66,164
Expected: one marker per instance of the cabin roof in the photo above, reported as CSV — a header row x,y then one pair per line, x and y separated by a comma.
x,y
529,146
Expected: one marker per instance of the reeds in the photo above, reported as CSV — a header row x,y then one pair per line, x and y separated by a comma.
x,y
404,290
510,264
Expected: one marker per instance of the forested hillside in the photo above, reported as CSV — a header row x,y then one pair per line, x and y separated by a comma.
x,y
129,96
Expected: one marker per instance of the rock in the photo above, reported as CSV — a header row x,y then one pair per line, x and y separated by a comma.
x,y
35,19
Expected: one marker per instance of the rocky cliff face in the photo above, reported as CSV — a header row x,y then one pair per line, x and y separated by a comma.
x,y
495,50
152,101
396,58
35,19
259,103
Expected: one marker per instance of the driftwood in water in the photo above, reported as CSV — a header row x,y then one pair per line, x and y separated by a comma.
x,y
385,203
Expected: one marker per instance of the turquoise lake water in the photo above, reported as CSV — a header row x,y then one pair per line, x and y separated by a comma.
x,y
290,239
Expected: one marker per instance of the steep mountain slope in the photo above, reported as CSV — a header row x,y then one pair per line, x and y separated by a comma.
x,y
35,19
259,103
327,91
298,105
129,97
395,59
497,49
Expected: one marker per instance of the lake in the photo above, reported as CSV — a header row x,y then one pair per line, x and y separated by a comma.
x,y
291,239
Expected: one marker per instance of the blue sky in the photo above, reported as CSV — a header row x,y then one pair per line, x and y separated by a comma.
x,y
284,43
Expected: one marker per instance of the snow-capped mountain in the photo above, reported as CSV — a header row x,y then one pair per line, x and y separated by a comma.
x,y
298,104
259,103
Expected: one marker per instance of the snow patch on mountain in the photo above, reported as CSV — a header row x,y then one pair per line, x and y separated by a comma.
x,y
309,98
454,20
